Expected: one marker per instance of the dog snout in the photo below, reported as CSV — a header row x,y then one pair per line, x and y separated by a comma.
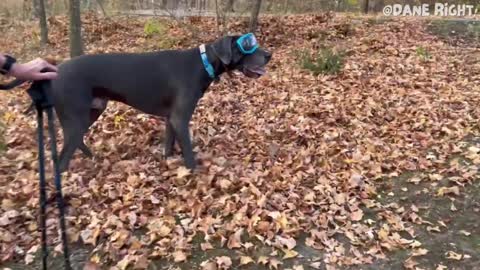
x,y
268,56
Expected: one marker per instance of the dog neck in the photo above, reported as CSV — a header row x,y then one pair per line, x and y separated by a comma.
x,y
218,66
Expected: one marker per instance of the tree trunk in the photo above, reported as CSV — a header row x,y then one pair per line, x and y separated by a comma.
x,y
218,17
365,7
76,47
43,23
36,8
254,17
285,6
163,4
229,6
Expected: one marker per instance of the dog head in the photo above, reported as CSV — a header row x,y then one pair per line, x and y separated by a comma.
x,y
242,53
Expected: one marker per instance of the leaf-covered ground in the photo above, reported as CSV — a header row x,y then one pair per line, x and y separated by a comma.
x,y
288,161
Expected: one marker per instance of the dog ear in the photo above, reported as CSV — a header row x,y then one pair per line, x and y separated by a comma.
x,y
223,49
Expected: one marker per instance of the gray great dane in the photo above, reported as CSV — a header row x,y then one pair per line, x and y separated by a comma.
x,y
165,83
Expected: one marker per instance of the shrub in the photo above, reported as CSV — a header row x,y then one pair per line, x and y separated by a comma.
x,y
325,61
158,32
423,53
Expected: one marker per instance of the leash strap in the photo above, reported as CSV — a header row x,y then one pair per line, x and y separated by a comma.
x,y
43,101
206,64
58,186
43,192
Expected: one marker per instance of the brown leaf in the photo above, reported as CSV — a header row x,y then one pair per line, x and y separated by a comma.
x,y
7,204
206,246
289,242
263,260
419,252
124,263
357,215
235,241
274,263
451,190
183,172
454,256
208,265
91,266
224,262
179,256
410,263
141,262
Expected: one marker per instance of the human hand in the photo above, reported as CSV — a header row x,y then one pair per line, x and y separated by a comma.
x,y
31,70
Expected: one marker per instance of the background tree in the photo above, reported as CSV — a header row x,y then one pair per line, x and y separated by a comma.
x,y
76,46
43,23
229,6
254,17
36,8
365,6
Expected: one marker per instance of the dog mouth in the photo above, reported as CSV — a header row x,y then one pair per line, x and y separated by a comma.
x,y
254,72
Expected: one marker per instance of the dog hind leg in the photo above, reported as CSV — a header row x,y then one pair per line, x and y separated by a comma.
x,y
95,113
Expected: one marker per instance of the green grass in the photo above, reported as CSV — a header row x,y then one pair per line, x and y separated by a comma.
x,y
468,30
423,53
325,61
157,31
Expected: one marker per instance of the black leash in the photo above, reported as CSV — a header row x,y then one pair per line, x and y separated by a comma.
x,y
38,91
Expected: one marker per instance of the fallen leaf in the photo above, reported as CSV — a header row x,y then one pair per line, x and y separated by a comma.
x,y
289,254
179,256
7,204
235,241
433,229
154,199
123,264
274,263
451,190
435,177
357,215
208,265
183,172
224,262
419,252
454,256
289,242
141,262
206,246
263,260
29,258
246,260
91,266
410,263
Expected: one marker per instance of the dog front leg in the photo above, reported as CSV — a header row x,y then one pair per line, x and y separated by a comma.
x,y
169,139
180,129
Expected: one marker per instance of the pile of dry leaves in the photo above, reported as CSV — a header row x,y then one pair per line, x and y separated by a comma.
x,y
286,154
